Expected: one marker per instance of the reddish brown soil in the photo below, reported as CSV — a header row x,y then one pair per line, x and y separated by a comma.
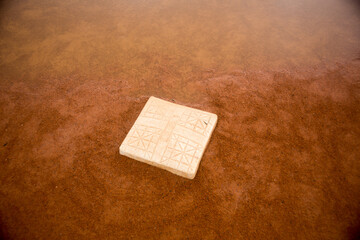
x,y
283,162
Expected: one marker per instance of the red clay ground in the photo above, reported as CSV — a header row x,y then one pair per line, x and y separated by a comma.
x,y
283,162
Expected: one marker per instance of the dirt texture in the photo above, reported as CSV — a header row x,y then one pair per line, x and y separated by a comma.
x,y
283,78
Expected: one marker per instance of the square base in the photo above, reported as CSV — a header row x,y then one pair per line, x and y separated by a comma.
x,y
170,136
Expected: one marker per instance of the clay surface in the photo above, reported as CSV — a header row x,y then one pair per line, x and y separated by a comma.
x,y
170,136
283,77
